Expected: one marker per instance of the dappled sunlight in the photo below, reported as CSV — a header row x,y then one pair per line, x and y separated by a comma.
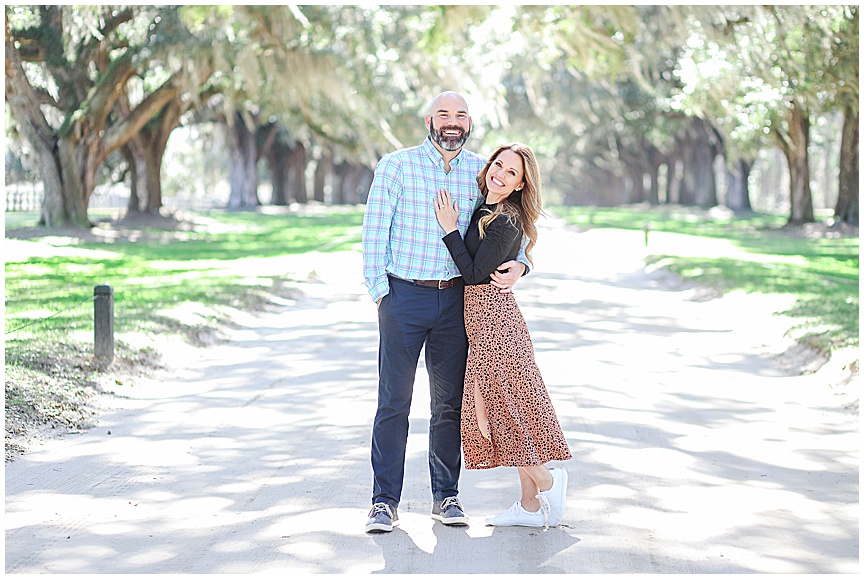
x,y
18,251
229,444
694,452
665,243
645,460
682,423
704,512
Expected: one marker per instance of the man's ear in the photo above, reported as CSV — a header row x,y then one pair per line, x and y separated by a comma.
x,y
428,120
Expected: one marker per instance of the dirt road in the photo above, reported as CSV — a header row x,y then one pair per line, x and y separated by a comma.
x,y
696,449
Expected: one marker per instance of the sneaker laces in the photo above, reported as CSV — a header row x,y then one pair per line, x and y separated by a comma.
x,y
378,508
545,507
450,501
514,510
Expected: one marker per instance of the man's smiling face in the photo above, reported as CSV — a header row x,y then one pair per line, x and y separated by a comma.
x,y
448,122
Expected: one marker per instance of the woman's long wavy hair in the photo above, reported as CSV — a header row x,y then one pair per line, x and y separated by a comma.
x,y
526,203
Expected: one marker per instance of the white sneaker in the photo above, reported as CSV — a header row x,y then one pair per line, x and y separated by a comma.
x,y
516,516
557,496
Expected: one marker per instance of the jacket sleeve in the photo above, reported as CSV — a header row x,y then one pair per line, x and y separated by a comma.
x,y
502,235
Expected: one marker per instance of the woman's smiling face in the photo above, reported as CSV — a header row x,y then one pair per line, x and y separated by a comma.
x,y
504,176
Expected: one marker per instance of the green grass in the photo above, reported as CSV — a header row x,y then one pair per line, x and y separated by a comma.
x,y
226,260
754,254
199,268
219,259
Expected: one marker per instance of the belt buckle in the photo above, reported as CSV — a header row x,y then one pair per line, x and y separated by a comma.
x,y
440,281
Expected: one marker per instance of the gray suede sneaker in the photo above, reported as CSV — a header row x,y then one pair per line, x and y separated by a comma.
x,y
449,511
382,517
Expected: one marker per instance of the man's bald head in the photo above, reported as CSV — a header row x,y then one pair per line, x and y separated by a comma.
x,y
448,99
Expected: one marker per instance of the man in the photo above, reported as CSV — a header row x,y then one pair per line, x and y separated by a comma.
x,y
416,286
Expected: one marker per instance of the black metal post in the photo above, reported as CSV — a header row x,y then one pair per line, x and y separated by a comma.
x,y
103,325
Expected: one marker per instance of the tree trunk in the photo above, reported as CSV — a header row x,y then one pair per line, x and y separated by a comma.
x,y
74,174
323,169
70,157
134,155
243,170
296,176
338,194
635,193
653,160
846,210
635,162
155,157
277,161
698,185
145,153
794,144
654,191
365,182
356,183
673,178
26,109
352,184
738,192
686,180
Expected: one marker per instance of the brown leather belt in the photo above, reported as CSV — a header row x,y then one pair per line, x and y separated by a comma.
x,y
438,283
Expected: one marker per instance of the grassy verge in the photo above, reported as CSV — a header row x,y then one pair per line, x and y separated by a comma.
x,y
206,263
815,263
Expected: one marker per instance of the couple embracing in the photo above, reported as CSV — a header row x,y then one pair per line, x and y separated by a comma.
x,y
446,235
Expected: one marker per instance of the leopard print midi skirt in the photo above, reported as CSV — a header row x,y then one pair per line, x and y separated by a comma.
x,y
523,426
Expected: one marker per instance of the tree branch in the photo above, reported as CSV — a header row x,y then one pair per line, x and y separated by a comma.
x,y
97,40
124,129
29,44
45,97
22,98
783,139
103,96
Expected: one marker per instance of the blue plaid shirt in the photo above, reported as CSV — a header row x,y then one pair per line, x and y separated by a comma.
x,y
401,235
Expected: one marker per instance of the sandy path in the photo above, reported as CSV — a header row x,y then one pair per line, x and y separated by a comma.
x,y
694,449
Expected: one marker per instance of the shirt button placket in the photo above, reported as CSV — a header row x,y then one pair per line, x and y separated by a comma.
x,y
448,185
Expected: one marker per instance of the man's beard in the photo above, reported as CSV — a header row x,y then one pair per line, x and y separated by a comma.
x,y
448,143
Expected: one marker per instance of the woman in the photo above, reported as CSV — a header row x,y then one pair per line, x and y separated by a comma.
x,y
507,416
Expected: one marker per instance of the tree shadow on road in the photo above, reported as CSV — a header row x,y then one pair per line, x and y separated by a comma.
x,y
259,461
505,550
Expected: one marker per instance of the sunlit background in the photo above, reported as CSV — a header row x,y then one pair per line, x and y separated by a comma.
x,y
695,105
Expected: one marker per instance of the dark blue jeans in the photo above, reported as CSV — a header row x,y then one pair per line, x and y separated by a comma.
x,y
409,318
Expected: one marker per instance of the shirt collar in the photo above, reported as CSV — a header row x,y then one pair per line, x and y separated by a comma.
x,y
435,155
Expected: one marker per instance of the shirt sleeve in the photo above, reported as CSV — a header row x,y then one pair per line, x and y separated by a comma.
x,y
501,236
380,207
522,257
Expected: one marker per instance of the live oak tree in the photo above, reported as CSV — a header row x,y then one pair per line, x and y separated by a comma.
x,y
600,91
345,82
683,138
562,64
843,77
714,86
145,150
785,56
68,73
279,66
